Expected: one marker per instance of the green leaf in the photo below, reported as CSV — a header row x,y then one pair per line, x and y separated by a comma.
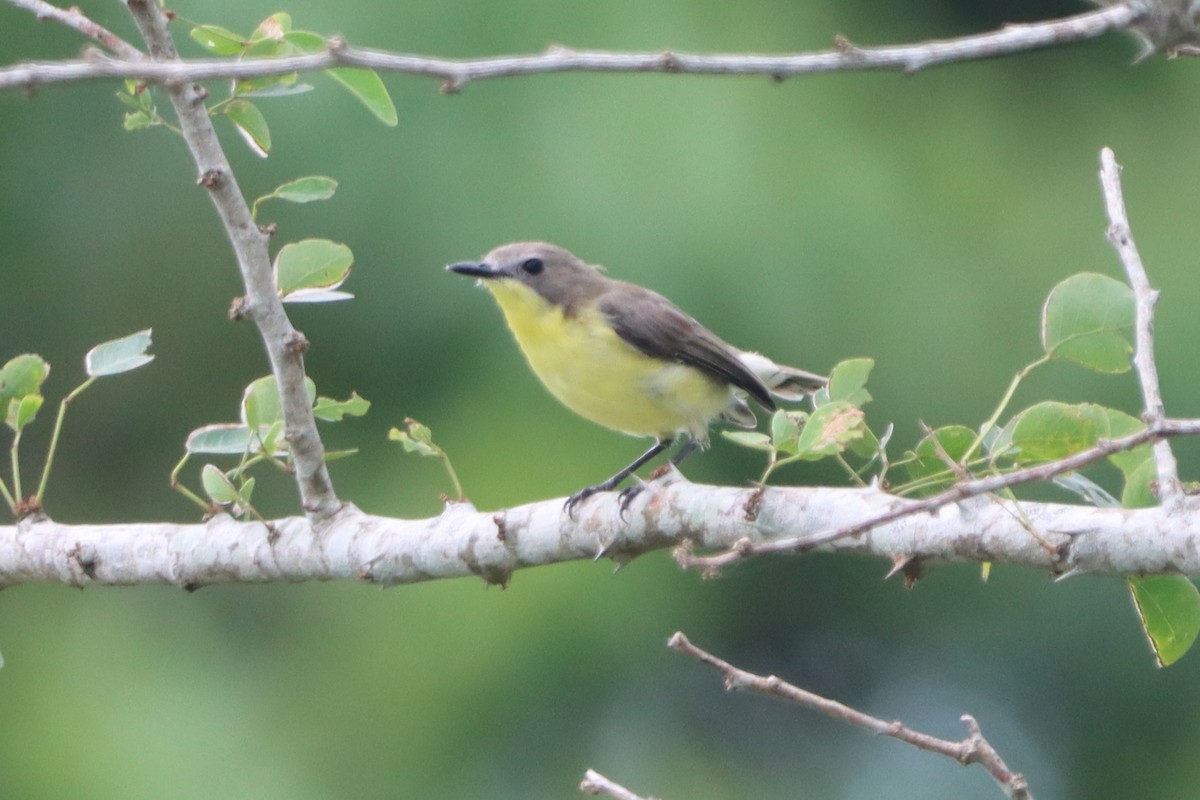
x,y
367,86
1121,425
1051,430
847,382
417,439
751,439
21,376
306,41
21,411
217,40
260,402
311,265
275,88
929,466
1087,319
306,190
222,439
119,355
137,121
251,124
1091,492
246,491
1139,486
217,486
829,430
785,430
1169,607
273,27
331,410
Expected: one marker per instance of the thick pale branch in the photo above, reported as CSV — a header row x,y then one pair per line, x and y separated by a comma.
x,y
455,73
492,545
1121,237
284,344
957,493
974,749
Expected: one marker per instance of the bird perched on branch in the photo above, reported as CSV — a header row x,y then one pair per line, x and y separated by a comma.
x,y
625,357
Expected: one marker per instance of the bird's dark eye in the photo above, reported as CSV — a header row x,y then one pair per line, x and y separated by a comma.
x,y
533,266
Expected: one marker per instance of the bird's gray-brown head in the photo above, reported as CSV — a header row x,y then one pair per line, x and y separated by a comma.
x,y
553,273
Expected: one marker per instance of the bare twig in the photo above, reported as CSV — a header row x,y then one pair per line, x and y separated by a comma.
x,y
1119,234
74,18
284,344
595,783
974,749
455,74
956,493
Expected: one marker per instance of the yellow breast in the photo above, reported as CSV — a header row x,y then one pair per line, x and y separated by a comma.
x,y
600,376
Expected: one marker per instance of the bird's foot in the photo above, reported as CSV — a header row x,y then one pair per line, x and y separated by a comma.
x,y
583,494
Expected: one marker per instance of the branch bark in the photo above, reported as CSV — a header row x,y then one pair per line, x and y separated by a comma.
x,y
463,542
456,74
974,749
284,344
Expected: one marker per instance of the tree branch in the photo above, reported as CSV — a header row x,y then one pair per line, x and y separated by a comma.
x,y
1119,234
461,541
900,509
594,783
284,344
974,749
455,74
74,18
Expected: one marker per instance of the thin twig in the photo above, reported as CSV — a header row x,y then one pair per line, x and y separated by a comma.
x,y
455,74
284,344
1170,492
956,493
974,749
74,18
595,783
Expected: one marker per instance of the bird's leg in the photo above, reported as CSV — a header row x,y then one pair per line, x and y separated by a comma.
x,y
633,491
588,491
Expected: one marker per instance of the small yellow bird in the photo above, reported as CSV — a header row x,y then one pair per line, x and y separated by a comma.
x,y
625,357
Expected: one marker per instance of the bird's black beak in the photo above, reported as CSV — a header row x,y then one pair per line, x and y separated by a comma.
x,y
476,269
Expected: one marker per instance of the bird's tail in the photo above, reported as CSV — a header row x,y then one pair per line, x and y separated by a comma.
x,y
786,383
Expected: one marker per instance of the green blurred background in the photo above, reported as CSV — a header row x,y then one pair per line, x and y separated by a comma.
x,y
919,220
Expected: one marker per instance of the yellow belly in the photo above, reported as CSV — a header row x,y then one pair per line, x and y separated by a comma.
x,y
600,376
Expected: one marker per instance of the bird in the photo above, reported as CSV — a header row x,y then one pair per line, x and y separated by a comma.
x,y
625,357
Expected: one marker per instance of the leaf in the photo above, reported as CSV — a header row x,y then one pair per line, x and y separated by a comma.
x,y
222,439
251,124
1051,430
331,410
830,428
847,382
273,27
119,355
278,88
785,430
217,486
317,296
311,264
1087,319
1169,607
306,190
367,86
417,439
1085,487
217,40
21,376
306,41
1121,425
21,411
929,466
260,402
1139,486
751,439
137,121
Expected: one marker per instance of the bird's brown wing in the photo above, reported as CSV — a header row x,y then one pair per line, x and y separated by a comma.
x,y
657,327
